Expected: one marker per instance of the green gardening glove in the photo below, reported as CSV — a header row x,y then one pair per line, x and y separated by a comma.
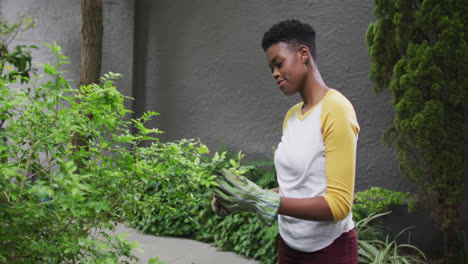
x,y
238,194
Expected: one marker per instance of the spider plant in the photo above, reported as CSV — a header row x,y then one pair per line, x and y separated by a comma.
x,y
377,248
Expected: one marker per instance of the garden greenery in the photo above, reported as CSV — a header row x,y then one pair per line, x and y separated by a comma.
x,y
16,62
56,199
376,247
419,50
377,200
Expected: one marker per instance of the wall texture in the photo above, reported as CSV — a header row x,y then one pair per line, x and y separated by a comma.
x,y
60,21
200,65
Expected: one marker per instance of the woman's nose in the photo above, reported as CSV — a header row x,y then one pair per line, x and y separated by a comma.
x,y
275,73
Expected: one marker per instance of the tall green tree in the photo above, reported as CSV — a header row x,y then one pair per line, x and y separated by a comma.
x,y
419,50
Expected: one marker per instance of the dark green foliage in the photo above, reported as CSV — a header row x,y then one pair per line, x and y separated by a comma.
x,y
463,248
245,234
419,50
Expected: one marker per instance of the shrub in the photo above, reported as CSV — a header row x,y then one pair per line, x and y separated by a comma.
x,y
379,200
419,50
56,198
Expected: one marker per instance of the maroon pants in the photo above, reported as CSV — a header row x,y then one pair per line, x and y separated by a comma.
x,y
344,250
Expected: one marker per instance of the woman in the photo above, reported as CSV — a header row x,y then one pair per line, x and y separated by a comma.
x,y
315,160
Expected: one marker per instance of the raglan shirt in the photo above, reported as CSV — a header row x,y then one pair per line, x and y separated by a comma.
x,y
317,157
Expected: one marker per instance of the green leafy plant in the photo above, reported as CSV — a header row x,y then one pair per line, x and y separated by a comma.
x,y
419,50
375,247
379,200
16,62
57,198
245,234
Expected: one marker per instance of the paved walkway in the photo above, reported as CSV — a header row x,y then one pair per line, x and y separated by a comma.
x,y
179,251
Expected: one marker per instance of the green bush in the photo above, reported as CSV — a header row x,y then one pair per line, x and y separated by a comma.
x,y
419,50
57,198
379,200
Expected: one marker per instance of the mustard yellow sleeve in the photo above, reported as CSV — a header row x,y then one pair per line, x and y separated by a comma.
x,y
340,131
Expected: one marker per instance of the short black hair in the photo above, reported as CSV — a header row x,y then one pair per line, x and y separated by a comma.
x,y
292,32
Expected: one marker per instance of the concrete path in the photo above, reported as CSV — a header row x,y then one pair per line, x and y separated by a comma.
x,y
179,251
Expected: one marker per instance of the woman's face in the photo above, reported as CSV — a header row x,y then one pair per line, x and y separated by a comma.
x,y
287,67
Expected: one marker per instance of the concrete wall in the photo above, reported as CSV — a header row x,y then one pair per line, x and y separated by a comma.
x,y
200,64
60,21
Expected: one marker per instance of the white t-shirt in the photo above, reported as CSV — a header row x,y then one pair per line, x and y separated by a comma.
x,y
317,157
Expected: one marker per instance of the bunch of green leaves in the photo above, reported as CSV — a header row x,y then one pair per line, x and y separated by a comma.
x,y
17,62
375,247
57,198
184,219
419,50
379,200
246,235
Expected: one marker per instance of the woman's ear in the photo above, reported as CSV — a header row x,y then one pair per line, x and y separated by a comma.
x,y
304,53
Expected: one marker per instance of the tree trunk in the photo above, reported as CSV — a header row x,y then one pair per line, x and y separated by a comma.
x,y
91,49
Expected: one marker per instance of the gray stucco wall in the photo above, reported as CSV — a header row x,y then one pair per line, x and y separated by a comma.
x,y
200,64
60,21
